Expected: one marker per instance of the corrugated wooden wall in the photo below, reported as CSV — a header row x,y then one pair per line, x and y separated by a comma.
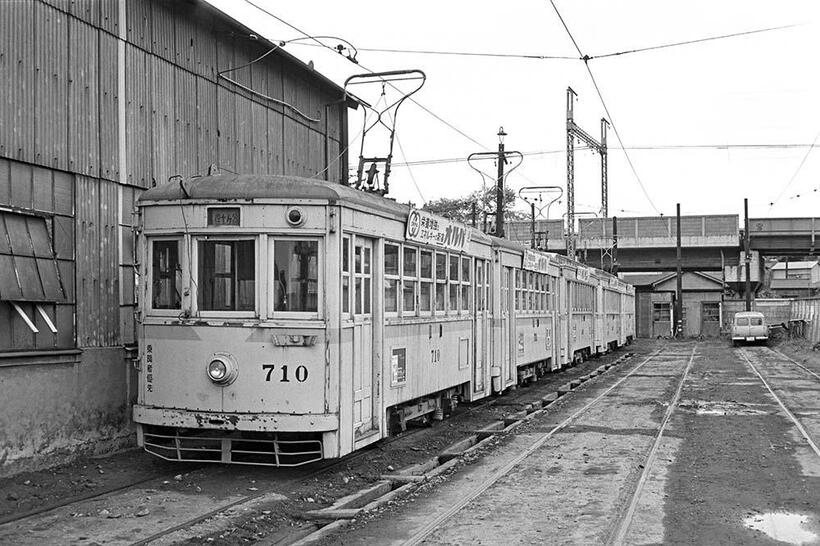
x,y
98,304
59,108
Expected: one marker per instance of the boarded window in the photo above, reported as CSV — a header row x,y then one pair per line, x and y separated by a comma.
x,y
28,267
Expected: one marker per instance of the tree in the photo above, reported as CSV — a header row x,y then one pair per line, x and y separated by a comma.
x,y
460,209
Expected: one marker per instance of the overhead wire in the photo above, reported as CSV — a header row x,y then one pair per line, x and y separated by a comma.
x,y
687,42
796,172
606,109
411,99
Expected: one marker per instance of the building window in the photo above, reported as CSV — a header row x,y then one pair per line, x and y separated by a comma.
x,y
30,284
227,276
166,275
28,267
295,276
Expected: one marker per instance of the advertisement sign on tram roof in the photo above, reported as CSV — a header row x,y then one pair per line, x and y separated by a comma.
x,y
427,228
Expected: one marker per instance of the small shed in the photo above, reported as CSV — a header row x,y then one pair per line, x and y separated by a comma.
x,y
655,303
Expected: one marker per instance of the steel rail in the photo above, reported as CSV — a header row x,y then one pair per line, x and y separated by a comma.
x,y
106,491
628,516
782,405
796,363
503,471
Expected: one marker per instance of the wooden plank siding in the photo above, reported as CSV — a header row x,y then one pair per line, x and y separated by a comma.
x,y
60,106
97,263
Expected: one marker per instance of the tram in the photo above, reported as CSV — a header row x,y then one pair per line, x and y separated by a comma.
x,y
286,320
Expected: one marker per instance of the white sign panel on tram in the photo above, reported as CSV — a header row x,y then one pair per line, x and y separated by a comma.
x,y
533,261
423,227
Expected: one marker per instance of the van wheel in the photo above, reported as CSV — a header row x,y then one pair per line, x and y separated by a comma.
x,y
735,343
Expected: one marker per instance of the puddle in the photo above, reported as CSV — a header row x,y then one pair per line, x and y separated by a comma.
x,y
783,527
708,407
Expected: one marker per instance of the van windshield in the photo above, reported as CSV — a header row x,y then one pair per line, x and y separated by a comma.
x,y
742,321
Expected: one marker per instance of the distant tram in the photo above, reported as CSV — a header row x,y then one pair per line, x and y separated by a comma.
x,y
286,320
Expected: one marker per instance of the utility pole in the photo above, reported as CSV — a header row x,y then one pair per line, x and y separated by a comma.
x,y
679,302
501,157
575,132
499,195
746,251
604,181
614,266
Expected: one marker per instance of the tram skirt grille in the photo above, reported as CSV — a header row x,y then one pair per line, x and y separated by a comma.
x,y
254,448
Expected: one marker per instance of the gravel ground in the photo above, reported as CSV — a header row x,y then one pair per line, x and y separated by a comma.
x,y
295,490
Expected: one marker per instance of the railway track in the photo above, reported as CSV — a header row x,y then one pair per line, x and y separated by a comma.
x,y
472,494
767,383
296,475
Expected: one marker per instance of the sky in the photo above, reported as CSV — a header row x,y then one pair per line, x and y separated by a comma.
x,y
703,125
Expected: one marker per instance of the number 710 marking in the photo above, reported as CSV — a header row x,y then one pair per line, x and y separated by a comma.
x,y
301,373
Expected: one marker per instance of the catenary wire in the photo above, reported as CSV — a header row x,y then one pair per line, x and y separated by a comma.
x,y
688,42
411,99
796,172
606,109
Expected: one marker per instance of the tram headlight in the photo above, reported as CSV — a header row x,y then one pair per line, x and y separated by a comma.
x,y
222,370
295,216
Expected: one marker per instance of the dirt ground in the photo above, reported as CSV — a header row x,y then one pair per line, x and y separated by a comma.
x,y
729,460
108,484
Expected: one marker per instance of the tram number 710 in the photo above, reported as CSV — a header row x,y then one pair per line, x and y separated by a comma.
x,y
300,374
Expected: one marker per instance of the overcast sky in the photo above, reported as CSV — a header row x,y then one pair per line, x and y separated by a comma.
x,y
707,106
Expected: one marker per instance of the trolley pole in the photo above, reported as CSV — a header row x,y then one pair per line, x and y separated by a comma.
x,y
499,195
679,295
747,252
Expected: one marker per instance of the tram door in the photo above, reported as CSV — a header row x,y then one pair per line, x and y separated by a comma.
x,y
507,327
363,415
480,325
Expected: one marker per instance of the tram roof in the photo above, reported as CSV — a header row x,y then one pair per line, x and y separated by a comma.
x,y
256,186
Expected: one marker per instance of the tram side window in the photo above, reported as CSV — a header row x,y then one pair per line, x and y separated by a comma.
x,y
479,285
296,276
465,283
346,275
227,276
166,275
426,284
518,291
454,284
409,282
441,280
391,278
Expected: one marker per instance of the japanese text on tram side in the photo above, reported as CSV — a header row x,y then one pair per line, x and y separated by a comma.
x,y
149,368
424,227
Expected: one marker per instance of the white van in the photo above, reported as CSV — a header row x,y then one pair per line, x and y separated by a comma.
x,y
749,326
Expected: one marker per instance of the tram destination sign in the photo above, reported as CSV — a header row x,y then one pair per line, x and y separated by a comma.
x,y
423,227
533,261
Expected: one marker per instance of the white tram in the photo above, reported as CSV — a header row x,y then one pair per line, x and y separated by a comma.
x,y
286,320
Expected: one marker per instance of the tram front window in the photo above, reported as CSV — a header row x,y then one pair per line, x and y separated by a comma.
x,y
227,276
166,275
296,276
